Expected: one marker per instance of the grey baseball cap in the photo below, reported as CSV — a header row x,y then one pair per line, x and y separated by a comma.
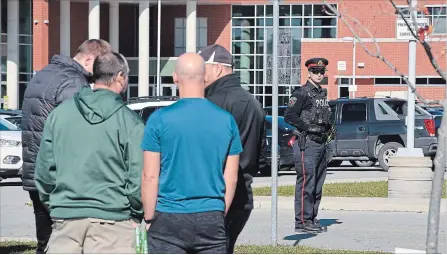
x,y
217,54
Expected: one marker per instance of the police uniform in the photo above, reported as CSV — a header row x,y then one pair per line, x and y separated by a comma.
x,y
309,112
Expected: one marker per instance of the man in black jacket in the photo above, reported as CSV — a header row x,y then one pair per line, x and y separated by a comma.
x,y
59,80
224,89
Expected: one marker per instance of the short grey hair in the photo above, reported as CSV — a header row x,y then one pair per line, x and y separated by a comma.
x,y
107,66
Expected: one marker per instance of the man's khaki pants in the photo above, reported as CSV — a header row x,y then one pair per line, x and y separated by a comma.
x,y
92,236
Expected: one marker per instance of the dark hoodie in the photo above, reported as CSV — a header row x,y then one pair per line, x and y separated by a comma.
x,y
228,94
89,163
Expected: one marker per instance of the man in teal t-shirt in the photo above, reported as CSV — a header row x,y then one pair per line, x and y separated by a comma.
x,y
191,157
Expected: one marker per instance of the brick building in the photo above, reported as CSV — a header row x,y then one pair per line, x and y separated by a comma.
x,y
47,27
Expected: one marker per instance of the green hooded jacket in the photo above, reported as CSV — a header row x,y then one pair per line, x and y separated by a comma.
x,y
89,164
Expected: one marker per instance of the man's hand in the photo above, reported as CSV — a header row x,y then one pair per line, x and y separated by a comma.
x,y
134,224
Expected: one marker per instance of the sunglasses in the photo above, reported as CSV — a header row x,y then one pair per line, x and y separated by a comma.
x,y
319,71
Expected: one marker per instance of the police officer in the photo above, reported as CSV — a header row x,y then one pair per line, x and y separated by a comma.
x,y
309,112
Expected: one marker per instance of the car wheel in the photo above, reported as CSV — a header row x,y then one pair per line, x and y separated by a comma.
x,y
335,163
363,163
386,152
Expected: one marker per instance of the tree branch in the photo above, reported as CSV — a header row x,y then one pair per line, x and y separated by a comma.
x,y
378,53
424,43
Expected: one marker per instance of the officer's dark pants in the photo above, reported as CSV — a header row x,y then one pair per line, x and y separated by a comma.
x,y
311,167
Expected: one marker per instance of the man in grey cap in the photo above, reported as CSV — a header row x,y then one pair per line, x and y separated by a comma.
x,y
224,89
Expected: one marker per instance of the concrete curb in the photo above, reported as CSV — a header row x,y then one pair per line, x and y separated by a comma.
x,y
355,204
288,183
17,239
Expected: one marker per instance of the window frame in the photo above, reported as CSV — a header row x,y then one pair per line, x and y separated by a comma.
x,y
353,103
201,34
431,17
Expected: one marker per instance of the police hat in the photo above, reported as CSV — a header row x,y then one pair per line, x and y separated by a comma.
x,y
316,64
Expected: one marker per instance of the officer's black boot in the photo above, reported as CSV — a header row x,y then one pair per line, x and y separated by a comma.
x,y
307,227
317,224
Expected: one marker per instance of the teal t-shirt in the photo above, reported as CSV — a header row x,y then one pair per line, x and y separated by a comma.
x,y
194,138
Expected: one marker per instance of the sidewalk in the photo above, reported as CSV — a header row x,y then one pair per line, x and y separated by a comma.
x,y
355,204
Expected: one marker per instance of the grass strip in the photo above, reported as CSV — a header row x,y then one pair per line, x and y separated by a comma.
x,y
350,189
18,247
287,249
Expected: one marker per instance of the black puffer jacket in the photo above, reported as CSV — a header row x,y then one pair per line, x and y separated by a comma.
x,y
58,81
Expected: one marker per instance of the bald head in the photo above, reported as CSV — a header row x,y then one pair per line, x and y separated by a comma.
x,y
190,68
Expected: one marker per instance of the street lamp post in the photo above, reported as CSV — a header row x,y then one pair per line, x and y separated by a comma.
x,y
353,40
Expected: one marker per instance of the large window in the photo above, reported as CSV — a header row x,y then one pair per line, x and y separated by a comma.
x,y
252,45
25,45
437,17
180,35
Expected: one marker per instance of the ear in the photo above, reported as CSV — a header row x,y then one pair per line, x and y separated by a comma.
x,y
89,60
175,78
219,69
120,77
205,78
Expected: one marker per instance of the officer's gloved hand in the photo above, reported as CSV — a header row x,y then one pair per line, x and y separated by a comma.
x,y
316,129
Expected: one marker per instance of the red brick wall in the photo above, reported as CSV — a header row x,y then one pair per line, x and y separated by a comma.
x,y
395,52
377,16
40,34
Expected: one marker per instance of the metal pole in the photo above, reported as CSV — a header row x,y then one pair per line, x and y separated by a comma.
x,y
158,49
445,156
412,79
353,65
275,123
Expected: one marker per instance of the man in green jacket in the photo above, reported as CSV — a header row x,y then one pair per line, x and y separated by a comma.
x,y
89,166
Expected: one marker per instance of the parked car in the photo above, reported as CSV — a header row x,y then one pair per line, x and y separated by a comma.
x,y
285,150
373,129
281,110
437,112
145,106
10,149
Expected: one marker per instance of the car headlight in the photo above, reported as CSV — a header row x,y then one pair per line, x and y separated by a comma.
x,y
9,143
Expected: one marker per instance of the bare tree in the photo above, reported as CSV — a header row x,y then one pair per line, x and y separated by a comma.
x,y
420,35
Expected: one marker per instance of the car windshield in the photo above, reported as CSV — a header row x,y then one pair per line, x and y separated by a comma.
x,y
15,120
8,126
